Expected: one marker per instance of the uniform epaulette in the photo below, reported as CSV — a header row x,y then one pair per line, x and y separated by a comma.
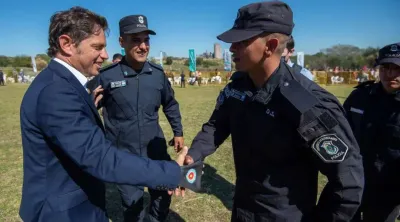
x,y
238,75
156,66
296,94
365,84
107,67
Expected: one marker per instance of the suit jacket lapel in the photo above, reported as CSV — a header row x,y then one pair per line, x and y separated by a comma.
x,y
64,72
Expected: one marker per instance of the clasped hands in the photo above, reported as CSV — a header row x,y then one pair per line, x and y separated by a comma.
x,y
178,143
181,160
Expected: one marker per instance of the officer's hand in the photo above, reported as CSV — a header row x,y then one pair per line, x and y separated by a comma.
x,y
180,161
178,143
98,95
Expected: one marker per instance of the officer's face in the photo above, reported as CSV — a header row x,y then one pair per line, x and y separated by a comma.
x,y
137,46
287,53
389,75
247,54
88,56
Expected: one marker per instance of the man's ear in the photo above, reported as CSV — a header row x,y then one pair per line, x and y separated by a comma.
x,y
121,41
271,46
66,44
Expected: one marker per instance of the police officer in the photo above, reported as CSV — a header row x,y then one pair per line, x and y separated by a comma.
x,y
284,128
287,53
116,57
1,77
373,110
133,91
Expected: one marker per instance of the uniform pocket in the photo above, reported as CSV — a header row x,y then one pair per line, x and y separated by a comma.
x,y
67,201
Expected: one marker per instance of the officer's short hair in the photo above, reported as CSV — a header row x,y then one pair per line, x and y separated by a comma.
x,y
77,22
117,56
290,44
282,40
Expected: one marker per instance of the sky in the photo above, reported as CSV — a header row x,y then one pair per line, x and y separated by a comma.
x,y
184,24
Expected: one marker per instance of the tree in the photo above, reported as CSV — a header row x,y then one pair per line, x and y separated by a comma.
x,y
40,63
43,57
4,61
169,60
22,61
199,61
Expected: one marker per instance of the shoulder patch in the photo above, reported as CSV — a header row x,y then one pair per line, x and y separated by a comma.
x,y
238,75
105,68
220,99
330,148
365,84
156,66
298,96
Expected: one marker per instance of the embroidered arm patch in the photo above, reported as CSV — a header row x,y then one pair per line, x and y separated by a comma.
x,y
220,100
330,148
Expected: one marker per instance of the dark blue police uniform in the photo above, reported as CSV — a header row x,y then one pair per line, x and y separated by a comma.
x,y
283,134
130,104
374,116
130,110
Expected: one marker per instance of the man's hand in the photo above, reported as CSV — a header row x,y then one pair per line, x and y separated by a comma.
x,y
187,161
178,143
98,95
180,161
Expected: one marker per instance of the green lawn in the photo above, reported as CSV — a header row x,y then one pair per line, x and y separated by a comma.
x,y
196,105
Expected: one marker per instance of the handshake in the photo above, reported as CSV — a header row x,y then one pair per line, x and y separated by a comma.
x,y
190,173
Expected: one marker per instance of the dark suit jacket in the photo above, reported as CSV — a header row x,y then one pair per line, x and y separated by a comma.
x,y
66,156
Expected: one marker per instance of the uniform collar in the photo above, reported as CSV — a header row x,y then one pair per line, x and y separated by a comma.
x,y
264,94
377,89
128,71
274,80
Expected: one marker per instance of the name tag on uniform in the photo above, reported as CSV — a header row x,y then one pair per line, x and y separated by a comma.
x,y
355,110
117,84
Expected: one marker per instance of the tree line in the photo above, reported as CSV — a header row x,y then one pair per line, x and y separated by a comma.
x,y
347,57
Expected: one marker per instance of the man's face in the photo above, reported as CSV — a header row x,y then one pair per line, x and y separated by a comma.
x,y
89,55
389,75
137,46
287,54
248,54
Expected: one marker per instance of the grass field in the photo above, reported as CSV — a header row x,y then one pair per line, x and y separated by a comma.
x,y
196,105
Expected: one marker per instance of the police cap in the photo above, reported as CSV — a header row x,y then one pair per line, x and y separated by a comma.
x,y
257,18
389,54
134,24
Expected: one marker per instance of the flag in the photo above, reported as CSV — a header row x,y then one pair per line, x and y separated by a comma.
x,y
161,58
227,60
34,64
192,60
300,59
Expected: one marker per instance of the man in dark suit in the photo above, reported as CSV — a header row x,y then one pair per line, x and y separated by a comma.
x,y
66,156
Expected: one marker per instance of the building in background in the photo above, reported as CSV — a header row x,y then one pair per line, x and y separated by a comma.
x,y
217,51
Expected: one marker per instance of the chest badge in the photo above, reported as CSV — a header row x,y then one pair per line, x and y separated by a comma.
x,y
118,84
